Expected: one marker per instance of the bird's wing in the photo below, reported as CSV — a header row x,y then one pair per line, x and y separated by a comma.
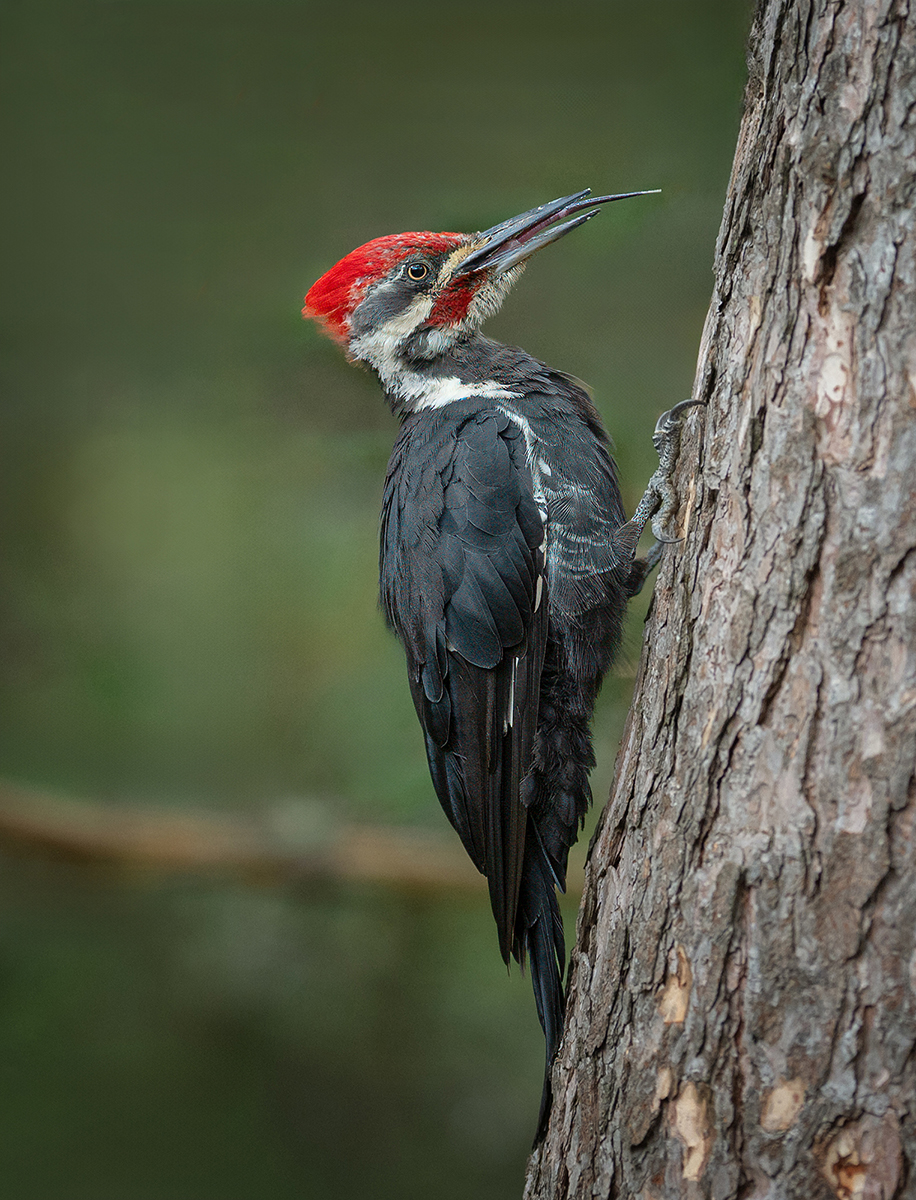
x,y
463,584
584,509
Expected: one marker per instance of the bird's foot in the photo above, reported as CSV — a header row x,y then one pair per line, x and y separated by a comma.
x,y
659,501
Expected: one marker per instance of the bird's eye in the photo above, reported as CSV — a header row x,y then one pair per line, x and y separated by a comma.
x,y
417,271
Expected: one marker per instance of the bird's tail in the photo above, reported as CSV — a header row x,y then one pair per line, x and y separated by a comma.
x,y
539,937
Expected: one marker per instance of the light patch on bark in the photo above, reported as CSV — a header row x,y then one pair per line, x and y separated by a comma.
x,y
782,1106
863,1161
834,400
811,255
691,1125
664,1086
675,999
857,808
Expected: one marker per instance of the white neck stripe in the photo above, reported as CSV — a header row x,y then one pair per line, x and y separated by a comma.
x,y
437,393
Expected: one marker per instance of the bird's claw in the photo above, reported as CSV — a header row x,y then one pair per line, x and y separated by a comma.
x,y
659,501
673,417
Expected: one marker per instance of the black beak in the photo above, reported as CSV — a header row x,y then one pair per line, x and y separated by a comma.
x,y
512,241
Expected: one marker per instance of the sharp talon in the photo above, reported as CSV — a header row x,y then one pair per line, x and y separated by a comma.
x,y
659,501
673,415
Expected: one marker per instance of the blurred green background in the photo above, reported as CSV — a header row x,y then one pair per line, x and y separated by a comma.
x,y
191,478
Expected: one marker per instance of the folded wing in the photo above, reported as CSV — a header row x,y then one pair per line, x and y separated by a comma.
x,y
463,585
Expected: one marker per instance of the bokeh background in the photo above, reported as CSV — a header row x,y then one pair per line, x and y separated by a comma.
x,y
190,480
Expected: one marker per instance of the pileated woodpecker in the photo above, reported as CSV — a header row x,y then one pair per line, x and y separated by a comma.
x,y
506,557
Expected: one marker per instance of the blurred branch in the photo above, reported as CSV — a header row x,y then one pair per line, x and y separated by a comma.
x,y
297,842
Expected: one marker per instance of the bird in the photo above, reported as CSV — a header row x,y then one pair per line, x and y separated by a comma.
x,y
506,558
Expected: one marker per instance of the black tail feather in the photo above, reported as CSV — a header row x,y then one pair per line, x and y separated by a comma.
x,y
539,937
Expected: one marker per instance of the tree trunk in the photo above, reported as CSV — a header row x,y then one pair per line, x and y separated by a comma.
x,y
742,1013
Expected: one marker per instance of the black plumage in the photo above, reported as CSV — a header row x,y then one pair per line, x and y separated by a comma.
x,y
501,577
506,557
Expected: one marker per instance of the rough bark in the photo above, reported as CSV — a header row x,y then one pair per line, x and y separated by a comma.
x,y
742,1016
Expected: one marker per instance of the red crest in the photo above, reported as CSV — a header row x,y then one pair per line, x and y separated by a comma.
x,y
334,296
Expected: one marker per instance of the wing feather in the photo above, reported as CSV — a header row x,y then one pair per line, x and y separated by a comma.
x,y
462,553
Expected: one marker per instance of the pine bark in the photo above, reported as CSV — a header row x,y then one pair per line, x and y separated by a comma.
x,y
742,1013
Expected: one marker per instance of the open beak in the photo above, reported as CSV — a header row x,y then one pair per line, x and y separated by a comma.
x,y
511,242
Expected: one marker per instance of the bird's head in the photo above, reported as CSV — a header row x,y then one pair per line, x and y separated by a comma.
x,y
413,295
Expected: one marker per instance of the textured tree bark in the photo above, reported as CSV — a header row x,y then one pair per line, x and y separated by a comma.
x,y
742,1015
